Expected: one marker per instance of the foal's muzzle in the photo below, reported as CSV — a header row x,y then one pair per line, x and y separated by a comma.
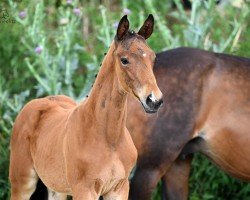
x,y
151,105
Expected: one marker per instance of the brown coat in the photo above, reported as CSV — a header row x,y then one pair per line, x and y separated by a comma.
x,y
206,109
85,150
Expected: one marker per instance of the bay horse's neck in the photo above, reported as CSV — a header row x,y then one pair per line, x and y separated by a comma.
x,y
106,102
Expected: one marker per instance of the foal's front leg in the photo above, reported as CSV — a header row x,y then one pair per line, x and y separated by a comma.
x,y
120,192
86,191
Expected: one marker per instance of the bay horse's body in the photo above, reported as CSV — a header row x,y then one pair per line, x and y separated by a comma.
x,y
206,109
85,150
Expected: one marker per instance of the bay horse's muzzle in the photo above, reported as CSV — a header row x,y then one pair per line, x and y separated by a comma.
x,y
152,104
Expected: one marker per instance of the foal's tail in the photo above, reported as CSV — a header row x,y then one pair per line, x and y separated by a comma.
x,y
41,192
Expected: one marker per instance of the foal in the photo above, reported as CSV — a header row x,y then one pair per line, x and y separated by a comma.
x,y
85,150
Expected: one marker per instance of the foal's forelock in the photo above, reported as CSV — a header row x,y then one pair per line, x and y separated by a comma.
x,y
130,38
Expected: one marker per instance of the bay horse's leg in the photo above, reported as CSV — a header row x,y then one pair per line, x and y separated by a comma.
x,y
176,180
143,183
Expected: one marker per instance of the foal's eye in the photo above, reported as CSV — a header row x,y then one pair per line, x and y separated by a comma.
x,y
124,61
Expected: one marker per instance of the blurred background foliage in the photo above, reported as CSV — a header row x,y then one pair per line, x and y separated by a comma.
x,y
55,47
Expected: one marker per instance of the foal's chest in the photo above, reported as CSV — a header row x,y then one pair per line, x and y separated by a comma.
x,y
110,170
112,174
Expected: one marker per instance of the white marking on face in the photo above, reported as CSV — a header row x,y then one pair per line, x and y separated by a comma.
x,y
152,97
144,54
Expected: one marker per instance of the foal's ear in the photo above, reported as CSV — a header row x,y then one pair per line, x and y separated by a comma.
x,y
147,29
122,28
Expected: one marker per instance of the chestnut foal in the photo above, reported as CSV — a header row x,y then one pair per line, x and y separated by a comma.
x,y
85,150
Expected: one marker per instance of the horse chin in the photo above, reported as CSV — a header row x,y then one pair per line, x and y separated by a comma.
x,y
150,111
146,108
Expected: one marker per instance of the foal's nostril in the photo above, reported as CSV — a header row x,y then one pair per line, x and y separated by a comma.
x,y
153,103
159,103
149,101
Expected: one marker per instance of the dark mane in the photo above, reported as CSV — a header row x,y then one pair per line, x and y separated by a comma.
x,y
233,58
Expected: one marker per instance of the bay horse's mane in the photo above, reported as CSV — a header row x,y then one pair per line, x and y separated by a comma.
x,y
173,56
234,58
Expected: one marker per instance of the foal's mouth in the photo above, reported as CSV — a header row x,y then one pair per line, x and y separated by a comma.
x,y
148,109
149,105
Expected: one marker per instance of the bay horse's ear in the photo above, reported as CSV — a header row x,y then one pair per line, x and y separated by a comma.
x,y
122,28
147,29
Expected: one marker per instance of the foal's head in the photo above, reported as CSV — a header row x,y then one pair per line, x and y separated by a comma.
x,y
134,62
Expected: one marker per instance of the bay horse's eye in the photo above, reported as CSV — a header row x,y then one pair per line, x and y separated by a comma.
x,y
124,61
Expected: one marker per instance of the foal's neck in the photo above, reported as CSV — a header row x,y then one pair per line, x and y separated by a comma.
x,y
107,101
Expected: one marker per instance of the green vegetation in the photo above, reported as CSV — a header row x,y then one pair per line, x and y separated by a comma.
x,y
55,47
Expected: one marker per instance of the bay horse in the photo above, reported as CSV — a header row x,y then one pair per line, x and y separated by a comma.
x,y
85,150
206,109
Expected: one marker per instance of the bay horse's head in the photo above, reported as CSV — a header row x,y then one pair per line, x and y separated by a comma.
x,y
134,62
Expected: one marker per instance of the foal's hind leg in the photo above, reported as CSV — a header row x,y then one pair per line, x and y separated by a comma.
x,y
175,181
23,183
22,175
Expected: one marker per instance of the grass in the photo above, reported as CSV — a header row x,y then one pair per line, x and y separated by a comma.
x,y
52,48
